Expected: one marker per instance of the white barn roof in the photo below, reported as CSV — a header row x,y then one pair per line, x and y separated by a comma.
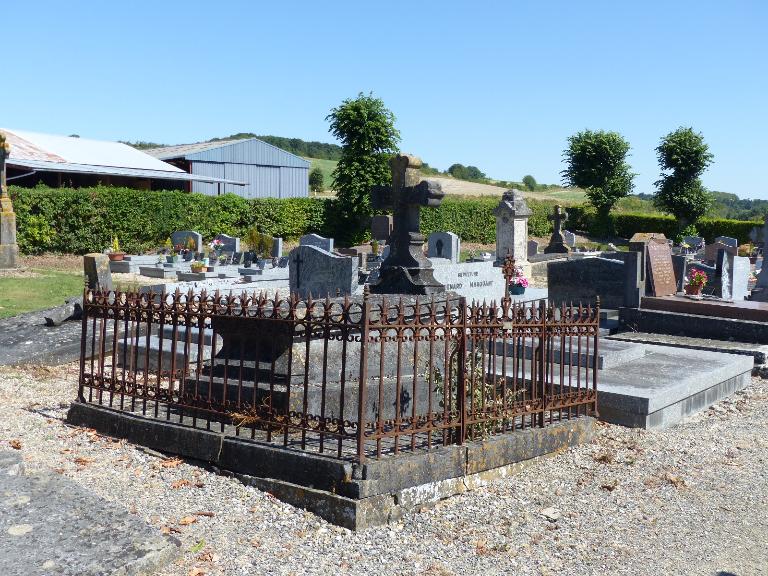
x,y
52,153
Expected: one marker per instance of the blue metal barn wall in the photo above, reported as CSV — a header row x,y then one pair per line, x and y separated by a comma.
x,y
207,169
269,171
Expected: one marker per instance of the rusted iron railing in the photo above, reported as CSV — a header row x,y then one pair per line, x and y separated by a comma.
x,y
348,378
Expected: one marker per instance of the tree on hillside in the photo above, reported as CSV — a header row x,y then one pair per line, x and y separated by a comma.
x,y
461,172
316,180
683,156
366,130
530,182
597,162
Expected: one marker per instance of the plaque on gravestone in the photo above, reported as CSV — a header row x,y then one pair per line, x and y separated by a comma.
x,y
660,270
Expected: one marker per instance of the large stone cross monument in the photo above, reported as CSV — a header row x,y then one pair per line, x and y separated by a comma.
x,y
406,270
9,250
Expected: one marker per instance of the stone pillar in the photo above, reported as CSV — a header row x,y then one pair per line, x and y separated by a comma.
x,y
512,215
9,250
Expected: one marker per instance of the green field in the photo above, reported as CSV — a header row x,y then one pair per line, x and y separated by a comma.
x,y
326,166
36,290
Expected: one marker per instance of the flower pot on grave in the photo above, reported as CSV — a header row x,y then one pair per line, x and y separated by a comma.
x,y
692,290
171,259
516,290
189,256
197,269
116,256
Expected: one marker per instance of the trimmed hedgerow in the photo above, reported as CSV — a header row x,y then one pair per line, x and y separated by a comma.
x,y
85,219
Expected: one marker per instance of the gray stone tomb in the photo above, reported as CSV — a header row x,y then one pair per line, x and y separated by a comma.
x,y
277,248
444,245
187,239
317,241
533,248
381,227
9,250
231,243
569,238
314,271
728,241
96,269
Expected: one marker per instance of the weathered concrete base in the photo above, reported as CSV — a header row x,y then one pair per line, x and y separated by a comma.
x,y
675,323
352,495
51,525
669,384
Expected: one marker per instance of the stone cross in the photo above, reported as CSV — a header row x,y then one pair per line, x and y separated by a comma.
x,y
556,242
406,270
9,250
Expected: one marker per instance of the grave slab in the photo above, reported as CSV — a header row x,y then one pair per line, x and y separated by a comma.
x,y
63,528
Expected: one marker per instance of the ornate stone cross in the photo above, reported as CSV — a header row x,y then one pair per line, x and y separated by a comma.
x,y
557,242
406,270
9,250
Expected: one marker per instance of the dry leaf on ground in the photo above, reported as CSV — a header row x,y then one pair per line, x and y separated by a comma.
x,y
171,462
83,460
187,520
180,483
15,444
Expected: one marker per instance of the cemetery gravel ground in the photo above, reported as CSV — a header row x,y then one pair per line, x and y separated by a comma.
x,y
689,500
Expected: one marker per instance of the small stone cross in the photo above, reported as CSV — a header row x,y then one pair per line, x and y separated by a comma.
x,y
558,218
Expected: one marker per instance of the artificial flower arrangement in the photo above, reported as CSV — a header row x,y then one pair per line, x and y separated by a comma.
x,y
518,283
695,281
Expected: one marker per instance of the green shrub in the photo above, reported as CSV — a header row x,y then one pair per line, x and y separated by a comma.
x,y
85,219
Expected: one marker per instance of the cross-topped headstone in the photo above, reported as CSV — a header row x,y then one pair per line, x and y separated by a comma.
x,y
406,270
557,242
9,250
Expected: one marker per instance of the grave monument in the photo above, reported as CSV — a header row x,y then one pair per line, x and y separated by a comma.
x,y
406,270
557,242
9,250
512,215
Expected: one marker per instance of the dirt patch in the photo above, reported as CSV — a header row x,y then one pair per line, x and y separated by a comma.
x,y
18,273
59,262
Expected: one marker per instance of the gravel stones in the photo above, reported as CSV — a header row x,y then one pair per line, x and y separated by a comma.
x,y
687,500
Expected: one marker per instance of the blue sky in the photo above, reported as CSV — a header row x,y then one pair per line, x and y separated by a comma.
x,y
500,85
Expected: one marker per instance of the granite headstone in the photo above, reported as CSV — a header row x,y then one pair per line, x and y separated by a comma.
x,y
96,269
312,270
229,243
444,245
661,273
188,239
381,227
317,241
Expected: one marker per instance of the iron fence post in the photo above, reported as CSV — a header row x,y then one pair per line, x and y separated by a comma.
x,y
83,338
594,363
541,361
461,370
362,396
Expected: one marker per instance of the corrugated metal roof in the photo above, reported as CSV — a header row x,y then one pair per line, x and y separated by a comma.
x,y
241,151
67,167
182,150
52,153
50,147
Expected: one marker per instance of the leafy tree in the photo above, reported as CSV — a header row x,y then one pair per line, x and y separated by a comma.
x,y
366,130
474,173
683,156
597,162
316,181
530,182
461,172
458,171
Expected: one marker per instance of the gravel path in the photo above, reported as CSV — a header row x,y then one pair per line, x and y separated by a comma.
x,y
690,500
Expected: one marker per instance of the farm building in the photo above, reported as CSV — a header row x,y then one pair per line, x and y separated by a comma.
x,y
268,171
77,162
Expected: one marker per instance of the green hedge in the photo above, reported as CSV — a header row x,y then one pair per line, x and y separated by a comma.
x,y
582,218
473,220
85,219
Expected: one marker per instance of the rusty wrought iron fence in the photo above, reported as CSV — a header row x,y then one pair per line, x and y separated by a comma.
x,y
348,378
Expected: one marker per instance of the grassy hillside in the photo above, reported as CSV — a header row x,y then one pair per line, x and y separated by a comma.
x,y
326,167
